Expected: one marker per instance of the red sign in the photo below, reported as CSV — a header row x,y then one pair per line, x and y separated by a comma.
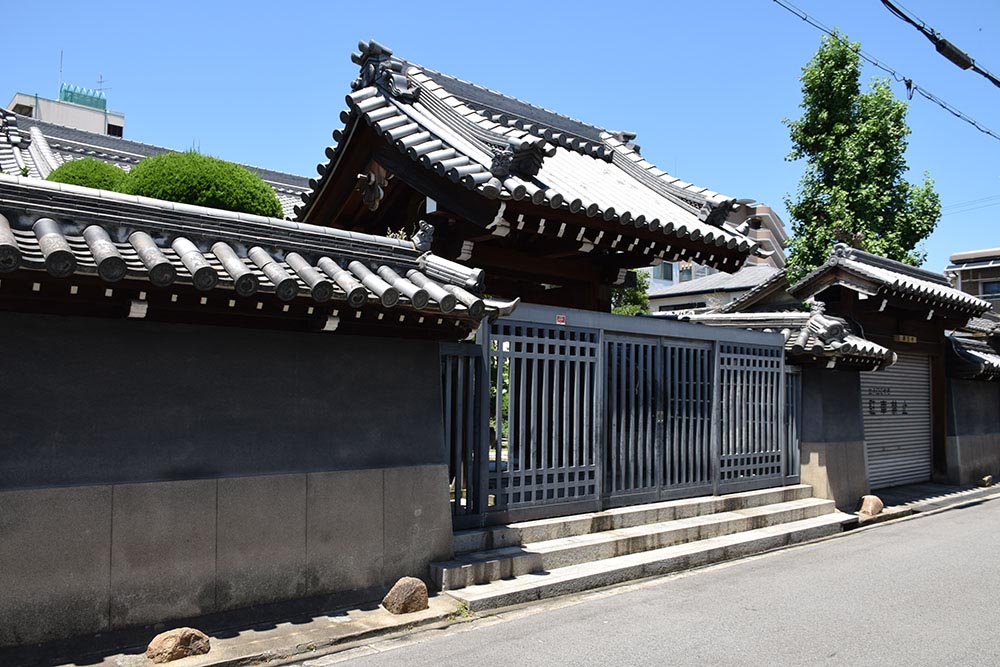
x,y
560,319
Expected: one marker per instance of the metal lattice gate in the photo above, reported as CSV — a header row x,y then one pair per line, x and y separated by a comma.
x,y
544,396
659,397
752,423
543,418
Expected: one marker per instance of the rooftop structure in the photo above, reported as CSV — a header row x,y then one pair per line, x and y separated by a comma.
x,y
80,108
709,292
555,209
66,248
879,279
977,272
812,338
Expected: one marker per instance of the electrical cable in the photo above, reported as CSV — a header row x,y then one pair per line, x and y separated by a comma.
x,y
944,47
911,87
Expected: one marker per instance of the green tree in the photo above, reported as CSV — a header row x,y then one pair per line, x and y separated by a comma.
x,y
853,189
89,173
192,178
631,300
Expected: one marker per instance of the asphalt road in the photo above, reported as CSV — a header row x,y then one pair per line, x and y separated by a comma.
x,y
919,592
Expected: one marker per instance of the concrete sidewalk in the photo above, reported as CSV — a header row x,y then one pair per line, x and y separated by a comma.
x,y
277,643
910,499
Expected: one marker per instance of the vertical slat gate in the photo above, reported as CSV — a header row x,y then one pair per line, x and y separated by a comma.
x,y
632,406
537,415
687,379
754,431
793,419
545,393
464,389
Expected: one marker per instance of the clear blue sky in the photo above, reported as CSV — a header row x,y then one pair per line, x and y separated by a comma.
x,y
704,83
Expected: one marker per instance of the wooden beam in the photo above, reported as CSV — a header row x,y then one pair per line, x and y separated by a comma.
x,y
468,205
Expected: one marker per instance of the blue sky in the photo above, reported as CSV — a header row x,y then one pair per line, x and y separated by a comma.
x,y
705,84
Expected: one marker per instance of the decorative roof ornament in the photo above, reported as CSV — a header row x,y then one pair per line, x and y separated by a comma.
x,y
716,213
372,188
380,70
502,162
424,237
522,158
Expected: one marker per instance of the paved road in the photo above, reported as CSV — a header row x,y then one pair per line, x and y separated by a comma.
x,y
920,592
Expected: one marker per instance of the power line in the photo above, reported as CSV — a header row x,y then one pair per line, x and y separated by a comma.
x,y
943,46
911,87
971,202
969,209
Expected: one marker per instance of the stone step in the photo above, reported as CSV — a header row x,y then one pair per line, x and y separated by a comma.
x,y
485,566
595,574
481,539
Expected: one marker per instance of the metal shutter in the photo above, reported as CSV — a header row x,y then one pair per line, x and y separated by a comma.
x,y
896,404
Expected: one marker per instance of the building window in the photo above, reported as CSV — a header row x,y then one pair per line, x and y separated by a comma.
x,y
23,110
664,271
115,130
991,288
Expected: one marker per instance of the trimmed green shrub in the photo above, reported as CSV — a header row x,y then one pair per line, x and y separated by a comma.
x,y
197,179
89,173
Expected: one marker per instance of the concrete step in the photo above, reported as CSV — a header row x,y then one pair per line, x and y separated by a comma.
x,y
525,532
585,576
485,566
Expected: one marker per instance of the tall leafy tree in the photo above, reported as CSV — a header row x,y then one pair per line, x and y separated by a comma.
x,y
853,189
632,300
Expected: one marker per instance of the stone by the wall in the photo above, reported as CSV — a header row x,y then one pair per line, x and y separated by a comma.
x,y
871,505
836,471
176,644
407,596
986,481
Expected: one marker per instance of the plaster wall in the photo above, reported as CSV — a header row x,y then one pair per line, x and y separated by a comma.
x,y
105,401
972,444
832,443
152,471
90,559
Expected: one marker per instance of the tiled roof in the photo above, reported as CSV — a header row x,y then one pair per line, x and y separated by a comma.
x,y
809,337
505,149
776,281
42,146
745,278
975,358
68,230
987,325
889,277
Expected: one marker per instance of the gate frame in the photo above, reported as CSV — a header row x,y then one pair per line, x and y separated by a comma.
x,y
659,329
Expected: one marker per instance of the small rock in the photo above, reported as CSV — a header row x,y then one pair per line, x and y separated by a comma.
x,y
871,505
407,596
986,481
176,644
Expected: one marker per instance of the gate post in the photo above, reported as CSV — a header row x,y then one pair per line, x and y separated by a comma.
x,y
482,443
600,407
716,416
782,418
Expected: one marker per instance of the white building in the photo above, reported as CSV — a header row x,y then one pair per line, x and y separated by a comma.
x,y
79,108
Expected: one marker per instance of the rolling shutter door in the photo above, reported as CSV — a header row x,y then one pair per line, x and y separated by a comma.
x,y
896,404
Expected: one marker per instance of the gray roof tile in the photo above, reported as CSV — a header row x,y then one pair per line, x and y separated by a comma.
x,y
285,258
582,167
893,277
745,278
